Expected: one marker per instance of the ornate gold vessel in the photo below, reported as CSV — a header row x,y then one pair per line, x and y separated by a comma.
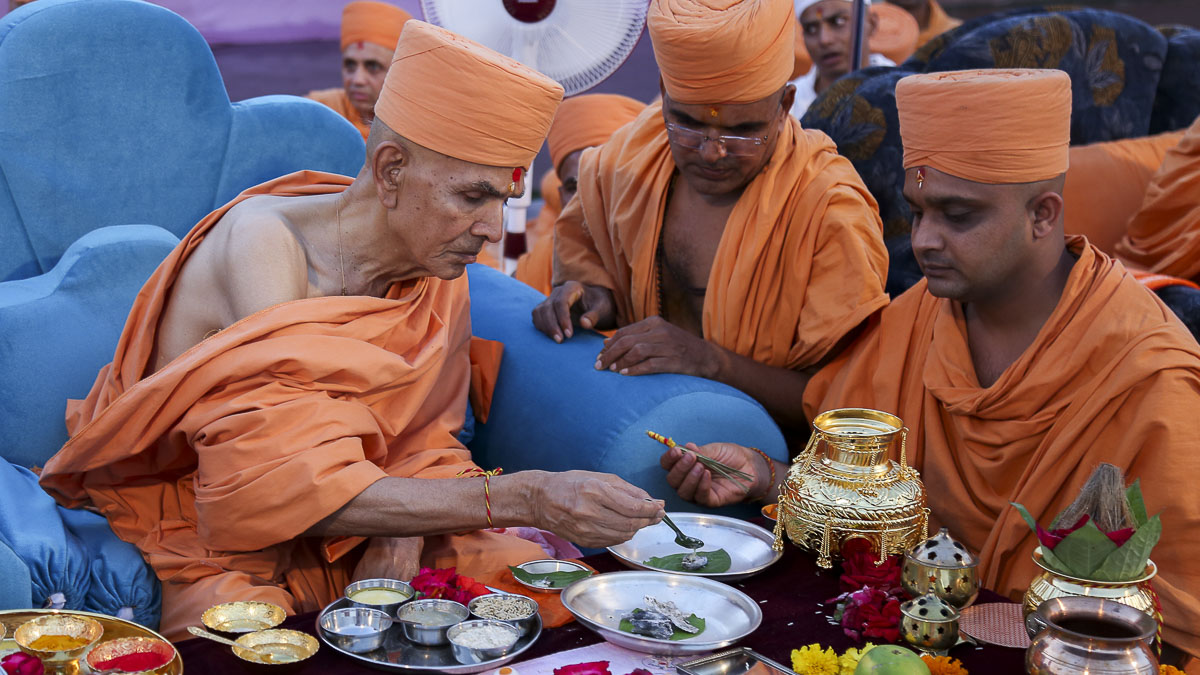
x,y
943,566
1049,584
843,486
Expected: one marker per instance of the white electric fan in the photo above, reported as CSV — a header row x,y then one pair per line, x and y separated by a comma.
x,y
578,43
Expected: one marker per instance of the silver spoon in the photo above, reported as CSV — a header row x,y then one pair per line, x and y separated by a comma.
x,y
265,651
681,538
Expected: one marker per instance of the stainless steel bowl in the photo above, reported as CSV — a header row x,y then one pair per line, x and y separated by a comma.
x,y
430,634
524,622
467,655
600,601
384,584
356,629
748,545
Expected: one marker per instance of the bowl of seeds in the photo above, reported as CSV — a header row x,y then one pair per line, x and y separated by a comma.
x,y
482,640
518,610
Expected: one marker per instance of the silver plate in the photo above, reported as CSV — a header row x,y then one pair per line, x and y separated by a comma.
x,y
399,654
748,545
600,601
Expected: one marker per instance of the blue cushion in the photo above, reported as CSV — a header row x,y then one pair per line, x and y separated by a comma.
x,y
15,581
1177,102
114,112
1114,61
62,327
31,526
552,410
121,583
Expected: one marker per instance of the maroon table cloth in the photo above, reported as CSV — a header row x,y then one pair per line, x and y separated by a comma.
x,y
789,593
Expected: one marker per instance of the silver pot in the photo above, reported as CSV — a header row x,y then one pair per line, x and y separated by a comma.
x,y
1089,635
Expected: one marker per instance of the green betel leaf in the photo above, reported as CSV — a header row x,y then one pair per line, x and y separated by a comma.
x,y
1084,550
1053,562
696,621
718,562
1137,505
549,579
1025,514
1129,561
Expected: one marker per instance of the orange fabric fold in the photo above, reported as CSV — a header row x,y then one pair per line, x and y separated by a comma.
x,y
485,367
722,51
964,123
336,98
1111,377
543,225
939,22
801,261
1106,184
215,465
375,22
587,120
895,37
461,99
1164,235
536,268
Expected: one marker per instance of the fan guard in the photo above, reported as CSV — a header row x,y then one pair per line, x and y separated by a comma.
x,y
578,43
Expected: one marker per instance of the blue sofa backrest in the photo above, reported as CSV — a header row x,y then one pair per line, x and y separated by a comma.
x,y
114,112
61,328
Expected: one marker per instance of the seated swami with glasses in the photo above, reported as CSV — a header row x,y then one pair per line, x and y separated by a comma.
x,y
719,237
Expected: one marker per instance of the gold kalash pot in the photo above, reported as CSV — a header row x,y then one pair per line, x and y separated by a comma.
x,y
843,486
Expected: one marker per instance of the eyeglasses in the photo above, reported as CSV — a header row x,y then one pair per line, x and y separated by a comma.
x,y
738,146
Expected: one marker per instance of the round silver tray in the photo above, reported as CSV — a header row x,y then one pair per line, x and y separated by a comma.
x,y
600,601
399,654
748,545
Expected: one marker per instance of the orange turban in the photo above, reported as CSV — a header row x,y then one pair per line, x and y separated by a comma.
x,y
722,51
375,22
987,126
587,120
461,99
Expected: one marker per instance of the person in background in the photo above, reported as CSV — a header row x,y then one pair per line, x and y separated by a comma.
x,y
580,123
369,33
932,19
827,28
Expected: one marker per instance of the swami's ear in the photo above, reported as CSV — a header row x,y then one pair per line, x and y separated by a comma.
x,y
1046,212
389,162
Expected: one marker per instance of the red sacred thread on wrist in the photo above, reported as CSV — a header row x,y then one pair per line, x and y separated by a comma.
x,y
771,465
487,490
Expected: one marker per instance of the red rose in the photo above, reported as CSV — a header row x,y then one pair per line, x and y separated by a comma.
x,y
1119,537
20,663
872,613
1050,539
859,569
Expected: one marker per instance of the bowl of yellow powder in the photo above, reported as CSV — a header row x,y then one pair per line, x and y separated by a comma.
x,y
385,595
58,638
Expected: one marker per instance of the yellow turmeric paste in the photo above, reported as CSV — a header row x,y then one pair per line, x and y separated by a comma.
x,y
57,643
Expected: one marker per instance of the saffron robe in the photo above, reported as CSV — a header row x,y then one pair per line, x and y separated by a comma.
x,y
216,465
336,98
801,261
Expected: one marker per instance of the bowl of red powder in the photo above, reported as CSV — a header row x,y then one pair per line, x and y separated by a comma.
x,y
131,655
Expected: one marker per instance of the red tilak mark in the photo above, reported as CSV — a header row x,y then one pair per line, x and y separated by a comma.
x,y
516,174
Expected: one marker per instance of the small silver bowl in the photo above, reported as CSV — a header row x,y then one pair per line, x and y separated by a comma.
x,y
367,587
469,655
414,619
356,629
524,622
